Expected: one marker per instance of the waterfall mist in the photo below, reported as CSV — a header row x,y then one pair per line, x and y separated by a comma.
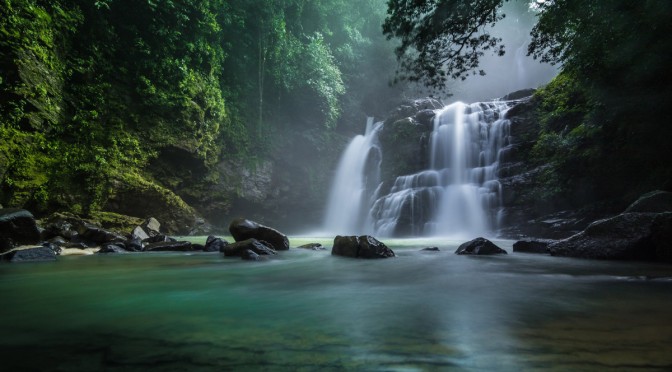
x,y
511,72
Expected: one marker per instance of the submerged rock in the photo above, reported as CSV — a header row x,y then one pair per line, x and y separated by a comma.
x,y
363,246
239,248
479,246
30,255
243,229
628,236
313,246
17,227
250,255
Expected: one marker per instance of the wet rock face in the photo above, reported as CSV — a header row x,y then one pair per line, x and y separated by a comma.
x,y
363,246
628,236
532,246
653,202
479,246
17,227
243,229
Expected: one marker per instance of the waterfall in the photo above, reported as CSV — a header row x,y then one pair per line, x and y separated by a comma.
x,y
458,195
355,183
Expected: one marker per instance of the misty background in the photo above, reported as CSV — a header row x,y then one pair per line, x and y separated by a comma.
x,y
513,71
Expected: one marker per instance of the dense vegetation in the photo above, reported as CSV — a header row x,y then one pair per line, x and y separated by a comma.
x,y
604,120
98,98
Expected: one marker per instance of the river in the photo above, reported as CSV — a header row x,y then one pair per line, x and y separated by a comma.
x,y
308,310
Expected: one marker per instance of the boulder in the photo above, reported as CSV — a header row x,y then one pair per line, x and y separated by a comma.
x,y
134,245
479,246
653,202
363,246
17,227
214,244
112,248
98,235
56,248
239,248
58,227
57,240
158,239
243,229
30,255
151,226
139,233
182,246
627,236
532,246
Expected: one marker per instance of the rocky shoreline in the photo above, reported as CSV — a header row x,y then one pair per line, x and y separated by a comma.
x,y
641,233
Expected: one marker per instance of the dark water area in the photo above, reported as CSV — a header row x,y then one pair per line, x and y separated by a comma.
x,y
307,310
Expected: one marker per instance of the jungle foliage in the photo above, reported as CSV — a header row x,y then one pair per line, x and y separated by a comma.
x,y
604,129
91,90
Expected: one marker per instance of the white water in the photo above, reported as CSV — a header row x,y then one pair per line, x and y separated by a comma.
x,y
355,181
458,196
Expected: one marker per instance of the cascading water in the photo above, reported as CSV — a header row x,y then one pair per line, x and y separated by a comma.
x,y
459,195
357,176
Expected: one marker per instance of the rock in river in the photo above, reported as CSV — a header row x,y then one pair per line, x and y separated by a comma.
x,y
479,246
627,236
30,255
243,229
363,246
240,248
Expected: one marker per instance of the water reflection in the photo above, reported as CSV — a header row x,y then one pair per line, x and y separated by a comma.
x,y
309,310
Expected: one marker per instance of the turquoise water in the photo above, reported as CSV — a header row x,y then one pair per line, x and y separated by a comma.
x,y
307,310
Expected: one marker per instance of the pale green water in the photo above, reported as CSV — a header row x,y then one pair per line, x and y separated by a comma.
x,y
307,310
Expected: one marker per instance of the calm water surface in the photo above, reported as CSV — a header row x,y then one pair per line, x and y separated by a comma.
x,y
307,310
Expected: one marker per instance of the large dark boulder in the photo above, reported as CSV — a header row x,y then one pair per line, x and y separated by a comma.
x,y
240,248
17,227
182,246
30,255
627,236
243,229
363,246
479,246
